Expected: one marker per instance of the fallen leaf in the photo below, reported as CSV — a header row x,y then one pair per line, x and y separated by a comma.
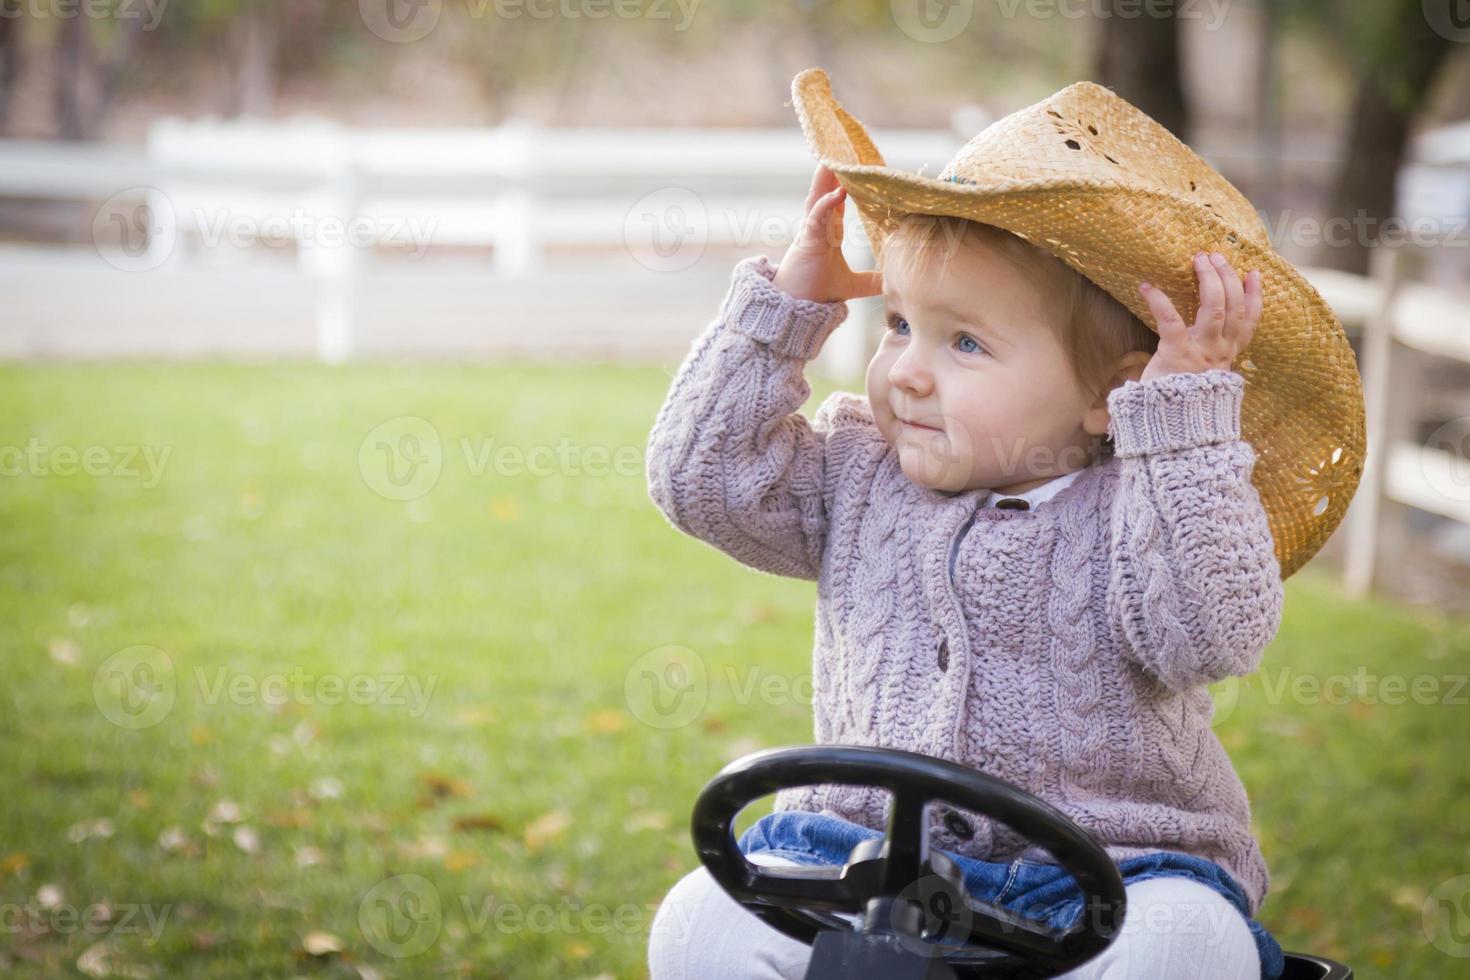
x,y
546,828
326,788
83,830
225,811
247,840
479,821
65,651
460,860
319,943
474,715
646,820
173,839
607,720
440,786
97,961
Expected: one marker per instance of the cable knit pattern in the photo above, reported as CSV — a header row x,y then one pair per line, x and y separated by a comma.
x,y
1068,652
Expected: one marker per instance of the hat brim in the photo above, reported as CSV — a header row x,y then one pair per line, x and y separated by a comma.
x,y
1302,409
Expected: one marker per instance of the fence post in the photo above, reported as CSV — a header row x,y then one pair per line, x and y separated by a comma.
x,y
1383,420
337,269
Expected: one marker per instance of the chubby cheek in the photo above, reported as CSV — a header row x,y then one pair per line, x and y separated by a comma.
x,y
878,390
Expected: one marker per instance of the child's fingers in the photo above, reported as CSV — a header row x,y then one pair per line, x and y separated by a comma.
x,y
1211,317
1171,324
818,228
1234,291
824,181
1254,300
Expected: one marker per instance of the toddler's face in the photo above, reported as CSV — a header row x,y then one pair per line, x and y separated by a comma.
x,y
970,383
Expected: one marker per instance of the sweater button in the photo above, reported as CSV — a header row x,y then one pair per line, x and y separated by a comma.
x,y
943,655
958,825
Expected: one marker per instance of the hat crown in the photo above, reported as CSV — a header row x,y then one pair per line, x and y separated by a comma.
x,y
1088,134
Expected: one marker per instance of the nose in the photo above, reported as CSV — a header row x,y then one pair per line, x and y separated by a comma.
x,y
910,373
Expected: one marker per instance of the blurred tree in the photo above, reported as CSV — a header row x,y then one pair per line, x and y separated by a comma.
x,y
1137,56
10,14
91,55
1396,49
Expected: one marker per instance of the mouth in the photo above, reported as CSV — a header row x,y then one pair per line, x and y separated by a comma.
x,y
916,425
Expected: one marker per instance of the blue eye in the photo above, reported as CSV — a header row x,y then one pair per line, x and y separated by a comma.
x,y
894,320
964,337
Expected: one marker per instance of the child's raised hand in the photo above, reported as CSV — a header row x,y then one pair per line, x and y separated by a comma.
x,y
813,267
1229,309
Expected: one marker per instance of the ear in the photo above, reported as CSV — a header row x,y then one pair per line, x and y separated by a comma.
x,y
1129,367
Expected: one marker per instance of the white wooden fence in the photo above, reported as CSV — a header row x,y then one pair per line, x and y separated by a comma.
x,y
173,264
636,209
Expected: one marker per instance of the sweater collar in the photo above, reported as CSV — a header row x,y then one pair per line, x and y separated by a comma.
x,y
1028,499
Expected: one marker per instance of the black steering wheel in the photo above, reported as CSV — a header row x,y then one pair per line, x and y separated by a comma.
x,y
897,884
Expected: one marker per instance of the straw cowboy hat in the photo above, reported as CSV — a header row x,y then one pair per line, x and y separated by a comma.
x,y
1090,178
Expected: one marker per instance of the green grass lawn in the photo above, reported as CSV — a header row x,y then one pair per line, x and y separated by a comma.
x,y
263,719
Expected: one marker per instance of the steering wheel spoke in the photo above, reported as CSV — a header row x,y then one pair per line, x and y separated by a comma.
x,y
899,886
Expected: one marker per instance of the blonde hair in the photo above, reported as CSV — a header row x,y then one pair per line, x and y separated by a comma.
x,y
1091,326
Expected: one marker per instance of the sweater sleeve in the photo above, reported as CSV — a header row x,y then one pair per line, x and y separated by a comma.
x,y
730,460
1194,583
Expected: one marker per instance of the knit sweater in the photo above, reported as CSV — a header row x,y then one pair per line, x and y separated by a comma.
x,y
1064,648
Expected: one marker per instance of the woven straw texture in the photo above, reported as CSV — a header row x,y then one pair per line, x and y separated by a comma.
x,y
1095,181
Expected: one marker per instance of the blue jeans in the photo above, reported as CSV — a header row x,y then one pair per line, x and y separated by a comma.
x,y
1038,890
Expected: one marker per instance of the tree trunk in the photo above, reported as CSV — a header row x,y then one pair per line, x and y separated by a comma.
x,y
1137,56
10,14
1389,94
259,25
71,71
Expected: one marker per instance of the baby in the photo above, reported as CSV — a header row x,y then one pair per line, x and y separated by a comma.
x,y
1036,541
